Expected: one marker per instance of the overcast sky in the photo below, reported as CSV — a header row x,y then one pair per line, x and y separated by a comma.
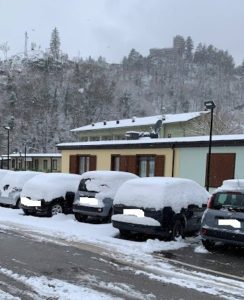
x,y
111,28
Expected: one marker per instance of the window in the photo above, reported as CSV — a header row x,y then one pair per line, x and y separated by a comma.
x,y
45,164
36,164
142,165
115,163
222,167
13,163
82,163
146,166
54,164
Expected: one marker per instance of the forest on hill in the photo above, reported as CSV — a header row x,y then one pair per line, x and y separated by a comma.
x,y
45,94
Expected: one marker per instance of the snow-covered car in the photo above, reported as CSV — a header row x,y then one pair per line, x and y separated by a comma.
x,y
223,220
159,206
47,194
11,186
96,193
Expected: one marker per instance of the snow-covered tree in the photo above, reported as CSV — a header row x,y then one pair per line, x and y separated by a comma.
x,y
55,44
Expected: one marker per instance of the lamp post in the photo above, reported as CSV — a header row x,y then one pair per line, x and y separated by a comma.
x,y
8,129
25,157
209,105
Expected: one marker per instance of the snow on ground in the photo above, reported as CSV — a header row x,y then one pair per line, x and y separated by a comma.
x,y
6,296
136,254
54,288
65,226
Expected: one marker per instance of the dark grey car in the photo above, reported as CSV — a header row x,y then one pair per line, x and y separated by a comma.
x,y
96,192
223,221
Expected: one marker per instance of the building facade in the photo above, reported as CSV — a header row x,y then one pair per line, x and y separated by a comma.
x,y
174,157
42,162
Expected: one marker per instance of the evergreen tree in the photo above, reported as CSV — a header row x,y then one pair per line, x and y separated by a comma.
x,y
55,44
188,49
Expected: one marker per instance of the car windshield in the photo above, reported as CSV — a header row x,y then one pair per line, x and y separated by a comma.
x,y
83,186
229,200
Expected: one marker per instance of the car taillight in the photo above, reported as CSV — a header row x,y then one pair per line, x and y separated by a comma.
x,y
210,202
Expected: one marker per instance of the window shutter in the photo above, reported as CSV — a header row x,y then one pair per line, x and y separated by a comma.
x,y
132,164
159,165
93,163
128,163
123,163
222,167
74,164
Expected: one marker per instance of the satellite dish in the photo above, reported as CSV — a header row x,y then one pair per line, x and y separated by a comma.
x,y
157,126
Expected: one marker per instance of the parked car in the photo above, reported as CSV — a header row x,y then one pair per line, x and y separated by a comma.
x,y
96,193
11,186
160,206
223,220
47,194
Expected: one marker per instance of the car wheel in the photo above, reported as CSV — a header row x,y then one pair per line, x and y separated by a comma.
x,y
55,209
124,233
18,204
80,218
209,245
26,212
177,230
109,216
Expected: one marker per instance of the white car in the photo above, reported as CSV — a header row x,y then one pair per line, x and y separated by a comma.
x,y
46,194
11,185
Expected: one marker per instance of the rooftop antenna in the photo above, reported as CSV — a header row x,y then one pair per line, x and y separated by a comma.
x,y
157,126
26,44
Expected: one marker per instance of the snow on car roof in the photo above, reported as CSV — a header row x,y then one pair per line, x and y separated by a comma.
x,y
3,173
49,186
17,179
231,185
106,183
160,192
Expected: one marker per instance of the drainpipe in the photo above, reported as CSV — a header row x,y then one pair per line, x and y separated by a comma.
x,y
173,160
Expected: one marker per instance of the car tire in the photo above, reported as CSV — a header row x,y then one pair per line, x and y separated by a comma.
x,y
54,209
26,212
80,218
18,204
177,230
208,245
109,216
124,233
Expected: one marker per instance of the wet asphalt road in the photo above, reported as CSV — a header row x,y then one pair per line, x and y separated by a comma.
x,y
80,265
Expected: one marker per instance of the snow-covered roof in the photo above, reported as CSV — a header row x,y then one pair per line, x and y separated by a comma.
x,y
49,186
177,193
140,121
173,140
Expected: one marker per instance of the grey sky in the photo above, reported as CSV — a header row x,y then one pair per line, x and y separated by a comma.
x,y
111,28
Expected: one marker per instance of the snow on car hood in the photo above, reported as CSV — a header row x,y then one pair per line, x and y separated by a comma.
x,y
159,192
49,186
106,183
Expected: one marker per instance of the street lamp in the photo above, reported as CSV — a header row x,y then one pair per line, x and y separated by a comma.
x,y
209,105
8,129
